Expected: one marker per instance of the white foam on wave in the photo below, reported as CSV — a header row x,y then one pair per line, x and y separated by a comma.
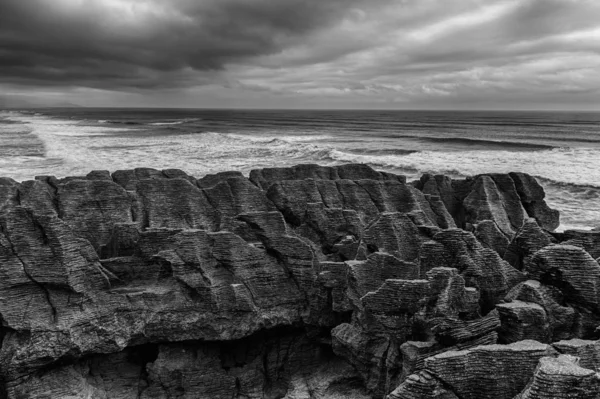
x,y
175,122
72,148
64,146
45,127
263,137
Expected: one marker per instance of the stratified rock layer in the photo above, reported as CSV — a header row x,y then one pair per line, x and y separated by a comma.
x,y
562,377
303,282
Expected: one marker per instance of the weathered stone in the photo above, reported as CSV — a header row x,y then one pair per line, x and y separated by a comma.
x,y
263,178
586,239
99,175
488,233
588,352
505,199
300,282
8,193
528,240
570,269
452,331
482,268
562,377
414,353
532,196
494,197
422,385
561,319
449,297
396,234
209,181
521,321
375,357
443,188
488,372
92,207
367,276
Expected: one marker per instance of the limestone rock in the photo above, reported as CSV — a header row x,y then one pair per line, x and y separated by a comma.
x,y
488,372
532,196
521,321
588,240
529,239
8,193
570,269
587,351
263,178
260,366
414,353
561,320
452,331
302,282
422,385
490,235
505,199
562,377
494,197
482,268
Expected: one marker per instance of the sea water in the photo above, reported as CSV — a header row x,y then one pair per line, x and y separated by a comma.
x,y
561,149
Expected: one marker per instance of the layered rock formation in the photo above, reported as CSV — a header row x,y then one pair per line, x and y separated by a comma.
x,y
303,282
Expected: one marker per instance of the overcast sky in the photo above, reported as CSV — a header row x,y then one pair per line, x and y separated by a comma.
x,y
427,54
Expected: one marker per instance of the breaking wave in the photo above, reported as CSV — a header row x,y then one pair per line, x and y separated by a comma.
x,y
489,143
175,122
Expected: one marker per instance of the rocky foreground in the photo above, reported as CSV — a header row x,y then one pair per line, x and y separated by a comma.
x,y
307,282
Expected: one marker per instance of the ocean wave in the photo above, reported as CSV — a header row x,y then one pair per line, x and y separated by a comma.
x,y
115,122
264,138
485,143
8,122
168,122
574,187
579,166
175,122
381,151
565,139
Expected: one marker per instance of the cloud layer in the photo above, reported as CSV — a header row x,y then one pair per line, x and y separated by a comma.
x,y
302,53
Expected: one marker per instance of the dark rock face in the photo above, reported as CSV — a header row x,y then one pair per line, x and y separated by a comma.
x,y
562,377
303,282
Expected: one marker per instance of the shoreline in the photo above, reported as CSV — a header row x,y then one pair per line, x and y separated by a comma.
x,y
207,143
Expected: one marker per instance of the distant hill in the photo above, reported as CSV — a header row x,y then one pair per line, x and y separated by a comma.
x,y
14,101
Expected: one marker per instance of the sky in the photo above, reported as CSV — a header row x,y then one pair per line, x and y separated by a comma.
x,y
381,54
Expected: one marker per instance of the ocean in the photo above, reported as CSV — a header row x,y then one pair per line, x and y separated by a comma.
x,y
561,149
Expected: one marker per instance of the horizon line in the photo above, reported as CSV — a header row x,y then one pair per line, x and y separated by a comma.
x,y
25,109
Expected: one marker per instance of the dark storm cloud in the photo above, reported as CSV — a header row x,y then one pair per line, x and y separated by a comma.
x,y
141,43
266,53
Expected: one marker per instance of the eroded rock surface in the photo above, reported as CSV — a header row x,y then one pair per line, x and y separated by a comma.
x,y
303,282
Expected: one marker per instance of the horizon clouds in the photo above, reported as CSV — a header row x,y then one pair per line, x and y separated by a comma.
x,y
462,54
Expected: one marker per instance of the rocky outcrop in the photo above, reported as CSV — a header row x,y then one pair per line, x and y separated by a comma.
x,y
303,282
487,372
505,199
562,377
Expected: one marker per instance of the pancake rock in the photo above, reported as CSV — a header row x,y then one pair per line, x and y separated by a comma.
x,y
562,377
302,282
